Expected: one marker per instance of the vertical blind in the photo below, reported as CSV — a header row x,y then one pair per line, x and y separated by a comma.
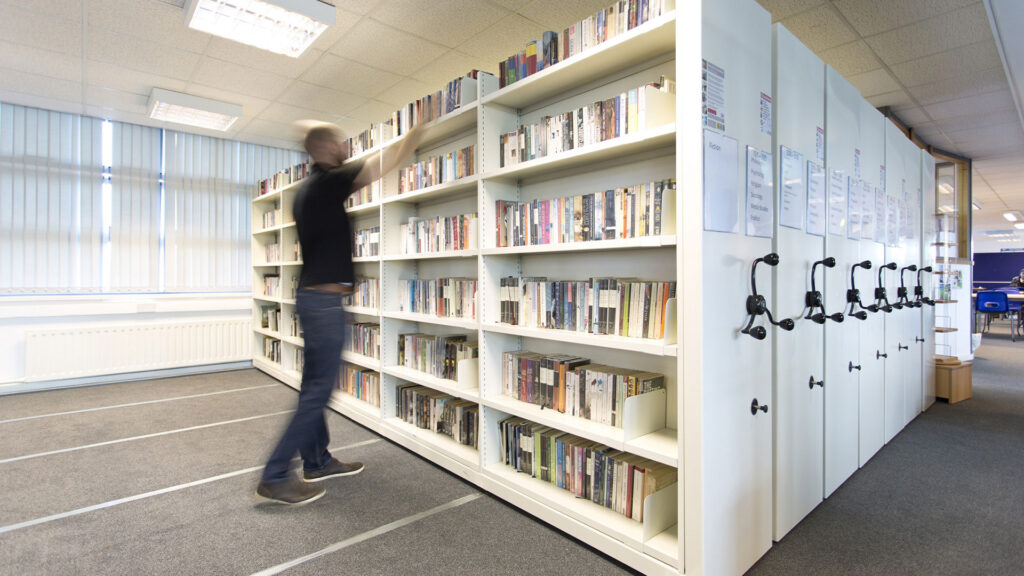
x,y
125,209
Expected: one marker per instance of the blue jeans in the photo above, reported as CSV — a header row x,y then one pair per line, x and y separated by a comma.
x,y
323,325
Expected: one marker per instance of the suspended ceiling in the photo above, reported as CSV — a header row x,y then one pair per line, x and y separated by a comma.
x,y
936,63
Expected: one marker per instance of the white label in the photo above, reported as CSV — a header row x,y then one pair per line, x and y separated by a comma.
x,y
713,80
766,114
720,193
837,203
867,210
856,163
880,216
853,220
760,193
819,144
892,228
815,199
793,194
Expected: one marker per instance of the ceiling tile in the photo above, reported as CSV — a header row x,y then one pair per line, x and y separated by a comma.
x,y
438,21
870,17
271,134
1003,132
288,114
64,9
558,16
895,98
930,69
451,64
236,53
505,38
155,21
407,90
320,98
387,48
43,101
874,82
227,76
357,6
820,28
344,21
332,71
985,146
850,59
40,61
105,75
19,26
111,100
933,36
971,83
512,4
1005,116
138,54
36,84
978,105
372,111
781,9
914,116
251,105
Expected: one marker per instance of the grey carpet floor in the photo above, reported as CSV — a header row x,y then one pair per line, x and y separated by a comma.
x,y
946,496
157,477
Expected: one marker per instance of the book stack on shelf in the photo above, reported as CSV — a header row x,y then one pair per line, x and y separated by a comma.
x,y
365,196
283,178
501,238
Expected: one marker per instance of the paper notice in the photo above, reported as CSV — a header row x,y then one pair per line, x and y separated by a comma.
x,y
853,221
760,193
713,81
837,202
793,193
815,199
720,182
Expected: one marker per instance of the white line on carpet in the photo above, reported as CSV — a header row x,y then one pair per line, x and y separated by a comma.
x,y
143,437
367,535
136,403
119,501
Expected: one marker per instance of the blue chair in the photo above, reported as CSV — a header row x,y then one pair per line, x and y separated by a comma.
x,y
996,303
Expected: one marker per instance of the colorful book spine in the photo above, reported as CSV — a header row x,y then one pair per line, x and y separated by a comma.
x,y
360,383
442,297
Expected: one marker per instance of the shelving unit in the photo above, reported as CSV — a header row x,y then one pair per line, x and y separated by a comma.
x,y
628,61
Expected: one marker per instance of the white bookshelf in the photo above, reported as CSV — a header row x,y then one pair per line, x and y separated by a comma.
x,y
631,59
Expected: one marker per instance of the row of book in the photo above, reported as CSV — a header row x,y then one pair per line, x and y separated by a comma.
x,y
573,385
439,234
621,16
365,293
618,213
363,338
454,95
630,112
270,317
366,242
607,477
613,306
272,349
271,217
435,170
429,409
271,285
360,383
283,178
365,195
437,355
273,253
443,297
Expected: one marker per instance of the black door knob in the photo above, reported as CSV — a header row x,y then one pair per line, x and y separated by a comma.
x,y
917,339
754,407
812,383
901,347
880,355
853,366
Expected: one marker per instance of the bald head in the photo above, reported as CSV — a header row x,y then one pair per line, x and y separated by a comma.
x,y
326,145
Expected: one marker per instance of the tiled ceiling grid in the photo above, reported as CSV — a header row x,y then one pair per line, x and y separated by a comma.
x,y
936,65
933,61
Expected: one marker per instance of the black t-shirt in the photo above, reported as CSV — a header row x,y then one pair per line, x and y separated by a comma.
x,y
324,232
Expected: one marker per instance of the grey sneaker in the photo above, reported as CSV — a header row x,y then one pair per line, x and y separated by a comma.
x,y
292,491
334,468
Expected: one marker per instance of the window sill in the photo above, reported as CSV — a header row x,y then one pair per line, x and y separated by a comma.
x,y
50,306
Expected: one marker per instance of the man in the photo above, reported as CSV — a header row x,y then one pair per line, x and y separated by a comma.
x,y
327,274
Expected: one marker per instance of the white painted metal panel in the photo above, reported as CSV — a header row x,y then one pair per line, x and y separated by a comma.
x,y
737,446
896,173
927,330
799,415
872,330
910,355
842,340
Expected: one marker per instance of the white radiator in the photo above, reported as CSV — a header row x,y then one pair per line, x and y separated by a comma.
x,y
101,349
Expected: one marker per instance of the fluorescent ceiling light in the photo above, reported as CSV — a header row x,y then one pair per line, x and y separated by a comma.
x,y
976,204
283,26
192,110
1013,216
1019,225
945,208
